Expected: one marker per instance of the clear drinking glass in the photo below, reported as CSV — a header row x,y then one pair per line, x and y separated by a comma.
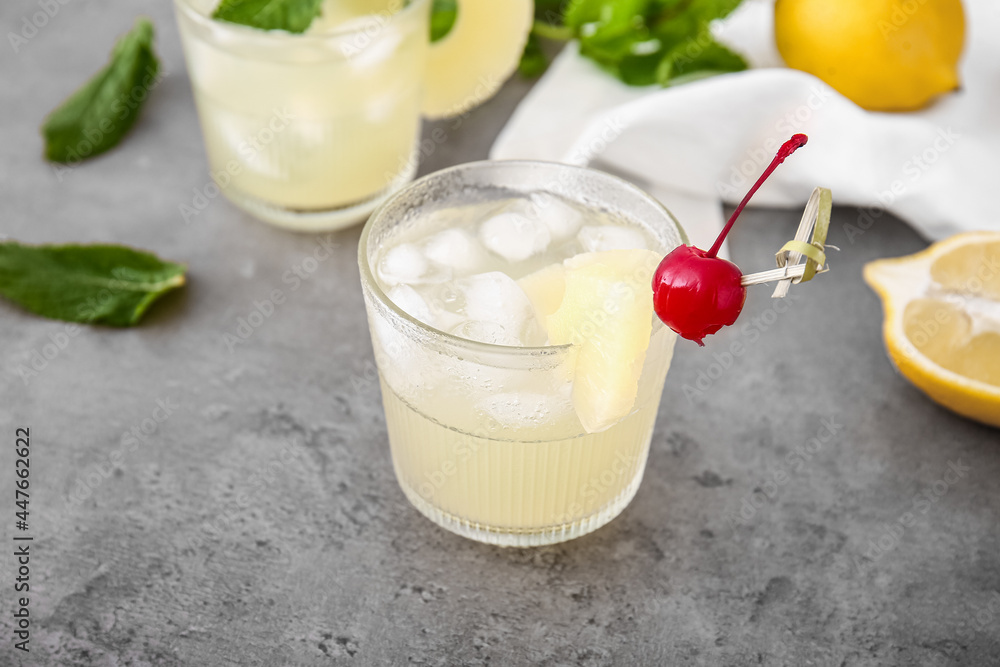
x,y
310,131
542,479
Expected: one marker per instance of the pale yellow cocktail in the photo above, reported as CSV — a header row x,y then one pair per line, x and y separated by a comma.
x,y
520,360
310,130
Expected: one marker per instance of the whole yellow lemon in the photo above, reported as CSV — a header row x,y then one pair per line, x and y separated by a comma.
x,y
885,55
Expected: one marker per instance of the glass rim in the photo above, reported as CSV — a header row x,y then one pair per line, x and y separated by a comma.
x,y
281,36
369,282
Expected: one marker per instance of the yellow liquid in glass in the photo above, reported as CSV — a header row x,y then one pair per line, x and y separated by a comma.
x,y
527,486
309,123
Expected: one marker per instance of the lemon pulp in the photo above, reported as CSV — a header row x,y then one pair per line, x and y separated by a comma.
x,y
942,321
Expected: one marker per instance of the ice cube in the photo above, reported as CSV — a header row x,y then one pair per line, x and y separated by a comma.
x,y
596,238
383,108
515,236
495,298
411,303
562,218
238,136
447,304
457,249
406,366
406,264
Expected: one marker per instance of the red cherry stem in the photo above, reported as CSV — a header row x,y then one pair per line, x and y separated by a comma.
x,y
796,142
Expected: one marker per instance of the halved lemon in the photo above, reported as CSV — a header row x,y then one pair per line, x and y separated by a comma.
x,y
468,65
942,321
606,312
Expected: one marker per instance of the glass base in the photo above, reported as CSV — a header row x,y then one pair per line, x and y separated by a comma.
x,y
319,221
536,537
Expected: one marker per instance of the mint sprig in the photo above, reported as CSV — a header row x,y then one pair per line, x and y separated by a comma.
x,y
101,284
293,16
641,42
99,114
444,13
533,60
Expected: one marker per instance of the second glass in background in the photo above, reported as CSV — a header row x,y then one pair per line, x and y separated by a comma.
x,y
310,131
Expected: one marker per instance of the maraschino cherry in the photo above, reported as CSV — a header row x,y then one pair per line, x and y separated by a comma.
x,y
696,293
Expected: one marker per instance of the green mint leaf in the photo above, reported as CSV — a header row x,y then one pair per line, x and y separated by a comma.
x,y
443,16
550,11
582,12
101,284
533,60
603,20
645,42
675,30
703,58
640,70
710,10
98,115
617,36
554,31
290,15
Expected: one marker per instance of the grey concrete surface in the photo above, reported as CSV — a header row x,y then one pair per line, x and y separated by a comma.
x,y
198,550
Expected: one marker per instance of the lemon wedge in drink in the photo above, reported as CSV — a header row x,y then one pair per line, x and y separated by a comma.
x,y
602,303
468,65
942,321
545,289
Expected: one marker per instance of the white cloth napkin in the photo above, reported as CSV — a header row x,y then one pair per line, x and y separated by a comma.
x,y
698,144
